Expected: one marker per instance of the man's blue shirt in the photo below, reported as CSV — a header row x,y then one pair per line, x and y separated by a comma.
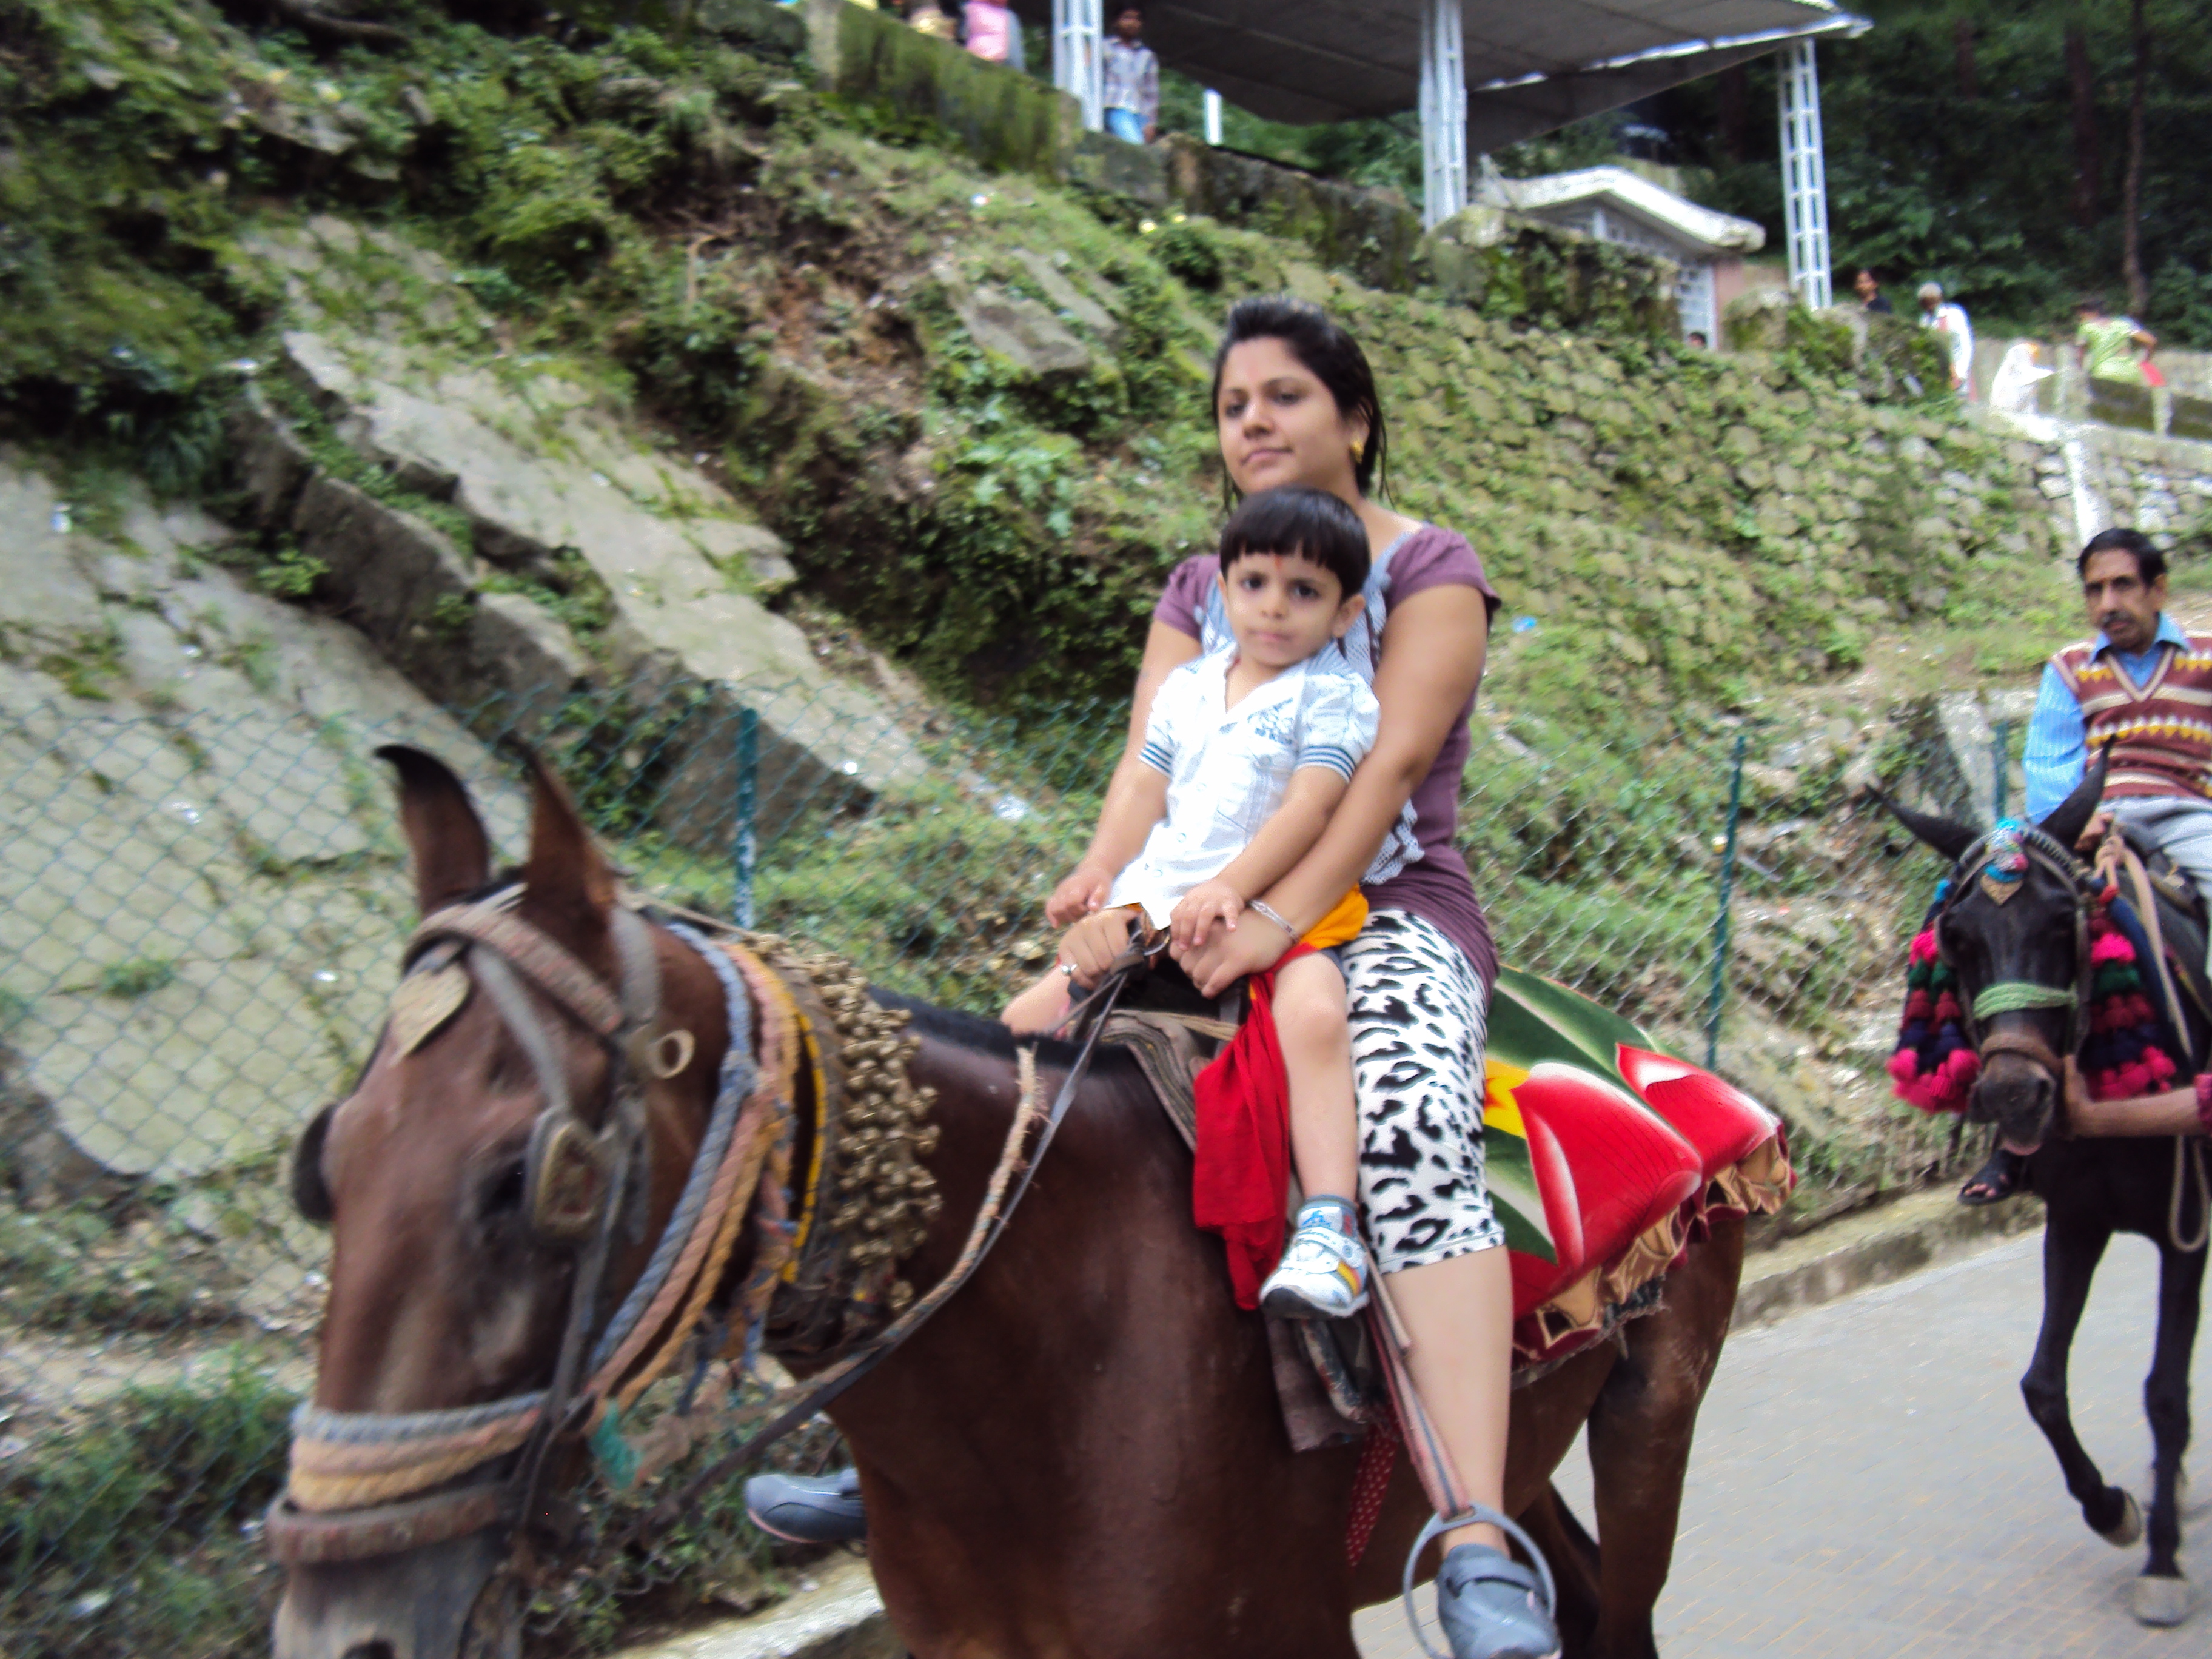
x,y
2057,744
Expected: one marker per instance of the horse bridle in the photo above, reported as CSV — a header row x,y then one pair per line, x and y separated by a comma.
x,y
581,1187
2013,996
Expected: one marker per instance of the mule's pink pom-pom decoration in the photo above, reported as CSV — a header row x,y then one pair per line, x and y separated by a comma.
x,y
2112,947
1923,946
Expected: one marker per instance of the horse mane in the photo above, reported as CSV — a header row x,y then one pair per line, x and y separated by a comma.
x,y
990,1036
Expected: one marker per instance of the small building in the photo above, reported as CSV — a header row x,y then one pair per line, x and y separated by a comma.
x,y
1615,205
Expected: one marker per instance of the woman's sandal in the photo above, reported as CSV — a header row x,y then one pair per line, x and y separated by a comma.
x,y
1489,1605
1996,1181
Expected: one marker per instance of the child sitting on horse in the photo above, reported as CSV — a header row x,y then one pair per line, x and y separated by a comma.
x,y
1247,753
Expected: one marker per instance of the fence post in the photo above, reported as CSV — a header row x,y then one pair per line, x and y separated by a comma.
x,y
2000,743
1721,922
744,844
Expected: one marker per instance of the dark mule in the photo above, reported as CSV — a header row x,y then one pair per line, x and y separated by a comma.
x,y
1082,1453
2091,1189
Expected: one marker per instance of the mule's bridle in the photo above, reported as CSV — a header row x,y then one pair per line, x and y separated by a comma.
x,y
2016,996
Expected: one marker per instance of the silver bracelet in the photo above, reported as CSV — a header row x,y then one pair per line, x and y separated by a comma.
x,y
1268,911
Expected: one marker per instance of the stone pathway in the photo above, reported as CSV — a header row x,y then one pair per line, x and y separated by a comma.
x,y
1866,1481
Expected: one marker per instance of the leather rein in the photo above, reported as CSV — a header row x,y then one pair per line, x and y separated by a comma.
x,y
359,1479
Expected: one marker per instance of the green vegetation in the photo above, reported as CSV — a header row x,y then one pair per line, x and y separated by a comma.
x,y
132,1534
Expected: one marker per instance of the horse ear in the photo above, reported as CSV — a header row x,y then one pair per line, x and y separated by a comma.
x,y
2071,816
568,886
1951,840
452,854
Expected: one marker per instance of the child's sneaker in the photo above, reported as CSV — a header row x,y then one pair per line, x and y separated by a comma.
x,y
1323,1273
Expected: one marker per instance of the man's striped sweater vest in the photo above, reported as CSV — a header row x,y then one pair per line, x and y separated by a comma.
x,y
2161,732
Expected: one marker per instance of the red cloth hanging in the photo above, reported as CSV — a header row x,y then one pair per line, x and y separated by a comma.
x,y
1243,1176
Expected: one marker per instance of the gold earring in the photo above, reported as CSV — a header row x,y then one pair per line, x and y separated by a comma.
x,y
1359,451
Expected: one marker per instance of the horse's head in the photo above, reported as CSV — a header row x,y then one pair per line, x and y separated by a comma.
x,y
2013,928
492,1184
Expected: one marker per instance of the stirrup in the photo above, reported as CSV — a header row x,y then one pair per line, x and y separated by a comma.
x,y
1472,1514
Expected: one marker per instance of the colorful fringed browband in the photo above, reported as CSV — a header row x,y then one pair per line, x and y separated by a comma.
x,y
2128,1051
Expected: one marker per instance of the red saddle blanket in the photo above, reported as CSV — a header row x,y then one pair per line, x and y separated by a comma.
x,y
1605,1158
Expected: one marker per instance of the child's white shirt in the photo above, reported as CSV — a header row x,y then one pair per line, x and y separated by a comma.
x,y
1229,768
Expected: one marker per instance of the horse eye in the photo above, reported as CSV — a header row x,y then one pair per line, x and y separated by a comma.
x,y
502,1194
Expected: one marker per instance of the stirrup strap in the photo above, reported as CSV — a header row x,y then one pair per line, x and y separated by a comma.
x,y
1471,1516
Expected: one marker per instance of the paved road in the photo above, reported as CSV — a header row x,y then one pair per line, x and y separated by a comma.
x,y
1866,1482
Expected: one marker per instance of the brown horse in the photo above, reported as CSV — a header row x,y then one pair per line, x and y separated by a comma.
x,y
1081,1454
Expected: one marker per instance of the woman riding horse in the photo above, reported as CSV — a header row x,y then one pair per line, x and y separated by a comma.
x,y
1295,402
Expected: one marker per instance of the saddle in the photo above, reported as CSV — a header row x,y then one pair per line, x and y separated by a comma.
x,y
1606,1157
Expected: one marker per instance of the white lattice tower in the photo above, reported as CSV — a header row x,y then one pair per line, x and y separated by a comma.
x,y
1804,175
1078,68
1443,112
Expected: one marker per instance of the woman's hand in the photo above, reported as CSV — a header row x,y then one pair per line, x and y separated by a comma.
x,y
1223,957
1082,893
1093,943
1197,911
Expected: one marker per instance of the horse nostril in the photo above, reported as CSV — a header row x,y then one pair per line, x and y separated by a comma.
x,y
370,1651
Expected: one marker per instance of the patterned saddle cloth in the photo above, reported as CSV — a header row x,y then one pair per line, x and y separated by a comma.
x,y
1606,1158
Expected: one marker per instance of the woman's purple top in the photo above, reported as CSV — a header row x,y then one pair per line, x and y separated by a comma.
x,y
1436,886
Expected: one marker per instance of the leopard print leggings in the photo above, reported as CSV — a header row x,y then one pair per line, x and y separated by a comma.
x,y
1419,1021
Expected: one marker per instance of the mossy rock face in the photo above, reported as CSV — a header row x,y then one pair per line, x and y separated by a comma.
x,y
917,86
1371,234
1516,269
1759,320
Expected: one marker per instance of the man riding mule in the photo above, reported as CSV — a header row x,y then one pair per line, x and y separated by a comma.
x,y
2142,689
2041,991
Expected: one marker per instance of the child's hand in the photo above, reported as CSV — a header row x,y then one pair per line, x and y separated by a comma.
x,y
1079,895
1200,909
1093,943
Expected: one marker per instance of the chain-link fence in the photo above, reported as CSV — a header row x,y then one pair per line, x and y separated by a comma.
x,y
201,924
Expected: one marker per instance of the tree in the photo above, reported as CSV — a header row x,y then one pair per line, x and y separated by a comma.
x,y
2081,83
2131,263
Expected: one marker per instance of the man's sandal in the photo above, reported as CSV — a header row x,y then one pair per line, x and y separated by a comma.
x,y
1996,1181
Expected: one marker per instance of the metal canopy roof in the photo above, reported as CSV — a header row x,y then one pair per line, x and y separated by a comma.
x,y
1530,67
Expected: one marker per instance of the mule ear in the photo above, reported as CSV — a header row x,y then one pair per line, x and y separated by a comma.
x,y
452,854
568,887
1951,840
311,1194
2071,816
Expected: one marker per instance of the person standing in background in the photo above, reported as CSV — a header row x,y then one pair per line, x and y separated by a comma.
x,y
1950,321
1871,298
994,34
2112,348
1133,81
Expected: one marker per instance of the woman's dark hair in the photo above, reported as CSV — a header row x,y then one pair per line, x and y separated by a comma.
x,y
2094,302
2150,563
1298,519
1329,354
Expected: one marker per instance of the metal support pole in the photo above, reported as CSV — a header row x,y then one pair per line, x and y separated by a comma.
x,y
1077,69
1804,175
1444,112
1719,992
1212,117
744,840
